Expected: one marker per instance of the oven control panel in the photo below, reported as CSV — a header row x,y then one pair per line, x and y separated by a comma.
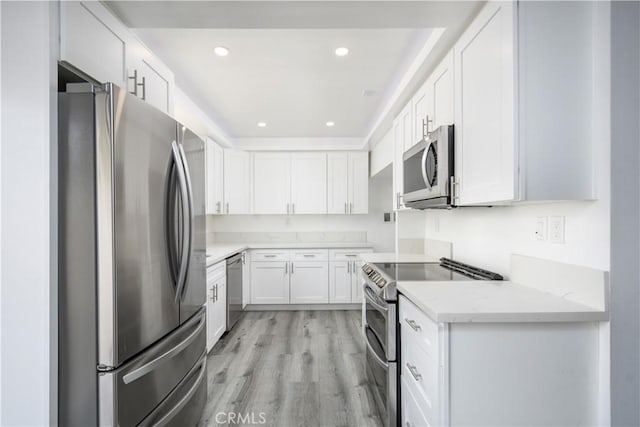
x,y
374,276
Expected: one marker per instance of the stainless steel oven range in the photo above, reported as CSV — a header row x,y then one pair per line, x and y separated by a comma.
x,y
381,326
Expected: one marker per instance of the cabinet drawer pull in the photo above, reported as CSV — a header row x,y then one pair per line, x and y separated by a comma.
x,y
413,324
270,256
286,268
414,372
309,256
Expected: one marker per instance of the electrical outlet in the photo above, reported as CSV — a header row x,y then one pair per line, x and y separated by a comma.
x,y
556,229
541,228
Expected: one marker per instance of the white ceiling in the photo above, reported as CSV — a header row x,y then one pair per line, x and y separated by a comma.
x,y
282,68
290,79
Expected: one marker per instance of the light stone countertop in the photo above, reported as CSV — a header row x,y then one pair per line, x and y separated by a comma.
x,y
220,251
494,301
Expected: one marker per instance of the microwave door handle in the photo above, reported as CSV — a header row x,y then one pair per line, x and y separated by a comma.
x,y
423,164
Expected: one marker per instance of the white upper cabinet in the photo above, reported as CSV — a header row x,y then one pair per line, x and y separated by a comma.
x,y
96,43
402,141
215,177
358,191
93,41
524,105
348,180
338,177
148,78
236,182
484,122
441,88
309,183
271,183
289,183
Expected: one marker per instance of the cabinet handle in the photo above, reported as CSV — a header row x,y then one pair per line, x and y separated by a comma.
x,y
287,208
144,88
213,294
414,372
218,207
270,256
425,127
286,268
349,267
413,324
398,200
244,261
291,267
227,207
135,83
345,207
293,208
350,208
309,255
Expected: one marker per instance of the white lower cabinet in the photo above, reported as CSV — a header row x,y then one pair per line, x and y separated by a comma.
x,y
305,276
216,305
269,282
308,282
499,374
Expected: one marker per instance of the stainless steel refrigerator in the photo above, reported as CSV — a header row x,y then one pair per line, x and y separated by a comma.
x,y
131,263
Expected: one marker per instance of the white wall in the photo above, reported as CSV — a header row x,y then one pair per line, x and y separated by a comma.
x,y
28,242
380,233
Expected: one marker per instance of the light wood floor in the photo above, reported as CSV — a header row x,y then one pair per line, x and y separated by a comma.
x,y
291,368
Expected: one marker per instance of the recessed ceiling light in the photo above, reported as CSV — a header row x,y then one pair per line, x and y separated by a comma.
x,y
330,124
262,124
342,51
221,51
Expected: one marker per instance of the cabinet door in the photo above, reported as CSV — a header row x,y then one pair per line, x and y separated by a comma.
x,y
270,282
407,127
398,179
338,177
359,183
236,182
220,308
340,282
271,183
215,177
357,282
246,279
309,183
309,282
93,41
209,309
422,110
484,107
441,88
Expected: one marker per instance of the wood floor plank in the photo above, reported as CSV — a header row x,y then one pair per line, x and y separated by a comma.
x,y
290,368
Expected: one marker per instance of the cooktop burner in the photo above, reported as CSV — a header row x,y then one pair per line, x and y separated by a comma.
x,y
419,272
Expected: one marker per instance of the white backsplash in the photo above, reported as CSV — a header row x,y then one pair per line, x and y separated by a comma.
x,y
287,237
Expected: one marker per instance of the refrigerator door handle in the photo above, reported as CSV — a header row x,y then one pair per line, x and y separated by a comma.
x,y
153,364
187,175
186,232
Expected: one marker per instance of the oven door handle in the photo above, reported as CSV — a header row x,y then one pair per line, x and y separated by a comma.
x,y
375,355
367,294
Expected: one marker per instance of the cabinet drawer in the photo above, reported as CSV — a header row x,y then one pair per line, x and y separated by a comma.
x,y
270,255
310,255
347,254
422,374
418,328
216,270
412,416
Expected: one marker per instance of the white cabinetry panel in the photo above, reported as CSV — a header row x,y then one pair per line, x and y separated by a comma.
x,y
271,183
339,282
309,183
338,181
270,282
485,138
348,183
236,182
359,183
309,284
215,177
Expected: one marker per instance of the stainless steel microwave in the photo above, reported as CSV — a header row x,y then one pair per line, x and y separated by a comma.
x,y
428,171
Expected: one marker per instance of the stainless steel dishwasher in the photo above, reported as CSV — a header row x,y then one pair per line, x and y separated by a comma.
x,y
234,290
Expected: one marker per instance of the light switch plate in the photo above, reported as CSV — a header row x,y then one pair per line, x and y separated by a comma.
x,y
541,228
556,229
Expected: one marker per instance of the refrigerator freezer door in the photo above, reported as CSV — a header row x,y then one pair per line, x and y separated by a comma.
x,y
194,291
136,299
131,393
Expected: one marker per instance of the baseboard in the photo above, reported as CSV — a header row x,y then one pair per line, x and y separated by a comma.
x,y
298,307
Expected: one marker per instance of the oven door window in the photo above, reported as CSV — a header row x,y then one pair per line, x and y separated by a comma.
x,y
377,371
376,320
